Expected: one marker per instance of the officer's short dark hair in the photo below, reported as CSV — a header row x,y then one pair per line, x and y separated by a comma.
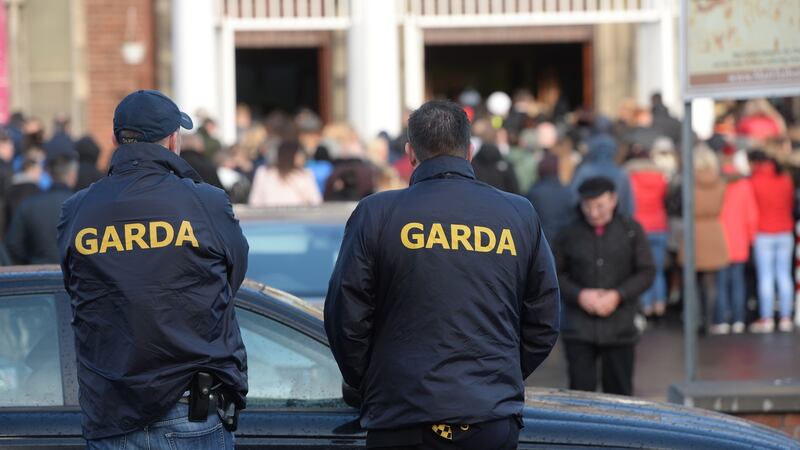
x,y
130,137
439,128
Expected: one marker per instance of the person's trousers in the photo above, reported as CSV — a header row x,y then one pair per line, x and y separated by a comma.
x,y
501,434
616,367
773,254
729,306
658,290
172,432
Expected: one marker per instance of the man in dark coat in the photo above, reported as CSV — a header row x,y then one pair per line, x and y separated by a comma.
x,y
31,238
88,152
492,168
443,300
604,265
25,183
194,152
554,202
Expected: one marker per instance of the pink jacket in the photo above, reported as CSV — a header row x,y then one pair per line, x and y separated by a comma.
x,y
739,219
299,188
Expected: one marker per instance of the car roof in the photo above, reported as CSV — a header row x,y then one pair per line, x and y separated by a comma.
x,y
255,295
329,212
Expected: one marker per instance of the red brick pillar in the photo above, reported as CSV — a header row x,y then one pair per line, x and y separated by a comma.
x,y
110,24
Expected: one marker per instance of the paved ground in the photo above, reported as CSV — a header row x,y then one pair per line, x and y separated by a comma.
x,y
659,359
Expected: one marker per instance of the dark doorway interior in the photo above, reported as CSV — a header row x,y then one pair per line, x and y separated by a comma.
x,y
286,79
488,68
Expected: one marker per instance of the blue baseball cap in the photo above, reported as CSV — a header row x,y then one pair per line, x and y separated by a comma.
x,y
149,113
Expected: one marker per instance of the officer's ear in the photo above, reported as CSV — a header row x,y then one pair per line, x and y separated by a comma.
x,y
114,142
411,155
470,152
174,143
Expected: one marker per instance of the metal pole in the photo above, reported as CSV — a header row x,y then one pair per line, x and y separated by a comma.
x,y
689,276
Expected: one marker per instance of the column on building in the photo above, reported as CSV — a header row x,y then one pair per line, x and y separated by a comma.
x,y
657,67
413,65
373,82
196,59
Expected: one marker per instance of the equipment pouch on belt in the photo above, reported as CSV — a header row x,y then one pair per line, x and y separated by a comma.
x,y
199,396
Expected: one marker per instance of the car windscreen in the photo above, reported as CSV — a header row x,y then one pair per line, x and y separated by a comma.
x,y
294,257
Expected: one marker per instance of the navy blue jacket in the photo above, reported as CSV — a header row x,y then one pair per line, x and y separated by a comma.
x,y
555,204
152,258
443,300
31,238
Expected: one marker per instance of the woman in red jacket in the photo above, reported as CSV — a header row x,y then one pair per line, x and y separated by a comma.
x,y
649,185
774,192
740,224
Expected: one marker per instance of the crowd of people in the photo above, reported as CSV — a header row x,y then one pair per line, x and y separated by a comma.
x,y
745,179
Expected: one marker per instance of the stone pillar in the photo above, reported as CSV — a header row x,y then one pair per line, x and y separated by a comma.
x,y
373,82
195,58
615,66
413,65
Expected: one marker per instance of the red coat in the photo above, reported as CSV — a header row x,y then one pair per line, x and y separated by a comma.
x,y
649,192
739,219
758,127
775,199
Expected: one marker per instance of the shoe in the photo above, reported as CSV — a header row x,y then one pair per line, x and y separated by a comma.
x,y
719,328
786,325
738,328
762,326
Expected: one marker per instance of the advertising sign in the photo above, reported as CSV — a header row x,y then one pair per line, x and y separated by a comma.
x,y
740,48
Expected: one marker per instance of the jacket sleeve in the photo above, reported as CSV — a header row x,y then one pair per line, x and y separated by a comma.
x,y
230,233
569,287
541,307
751,212
644,269
350,302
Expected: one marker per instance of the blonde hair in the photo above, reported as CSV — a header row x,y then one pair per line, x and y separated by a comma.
x,y
705,159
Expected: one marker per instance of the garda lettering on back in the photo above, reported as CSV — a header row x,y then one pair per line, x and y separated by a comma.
x,y
131,236
414,236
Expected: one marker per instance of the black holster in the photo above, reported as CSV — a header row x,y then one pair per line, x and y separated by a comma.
x,y
205,396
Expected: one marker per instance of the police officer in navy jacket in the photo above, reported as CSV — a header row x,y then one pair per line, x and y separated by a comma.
x,y
152,258
443,300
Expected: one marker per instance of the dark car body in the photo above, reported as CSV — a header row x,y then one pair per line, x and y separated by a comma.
x,y
310,412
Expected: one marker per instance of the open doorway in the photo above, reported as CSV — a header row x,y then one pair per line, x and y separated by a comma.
x,y
508,67
279,79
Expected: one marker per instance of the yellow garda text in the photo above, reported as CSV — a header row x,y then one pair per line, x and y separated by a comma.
x,y
134,236
416,236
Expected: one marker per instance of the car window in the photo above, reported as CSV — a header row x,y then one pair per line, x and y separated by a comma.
x,y
30,366
286,368
297,258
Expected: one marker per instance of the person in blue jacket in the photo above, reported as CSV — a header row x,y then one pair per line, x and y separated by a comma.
x,y
443,300
152,258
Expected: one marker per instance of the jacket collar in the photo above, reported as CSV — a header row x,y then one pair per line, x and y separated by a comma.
x,y
154,156
441,166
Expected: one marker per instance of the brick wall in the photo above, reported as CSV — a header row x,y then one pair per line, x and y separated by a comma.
x,y
788,423
109,24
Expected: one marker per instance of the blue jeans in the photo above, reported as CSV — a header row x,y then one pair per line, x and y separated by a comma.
x,y
730,295
172,432
773,254
658,291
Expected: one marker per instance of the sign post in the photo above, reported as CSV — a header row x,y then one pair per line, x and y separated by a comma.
x,y
730,49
